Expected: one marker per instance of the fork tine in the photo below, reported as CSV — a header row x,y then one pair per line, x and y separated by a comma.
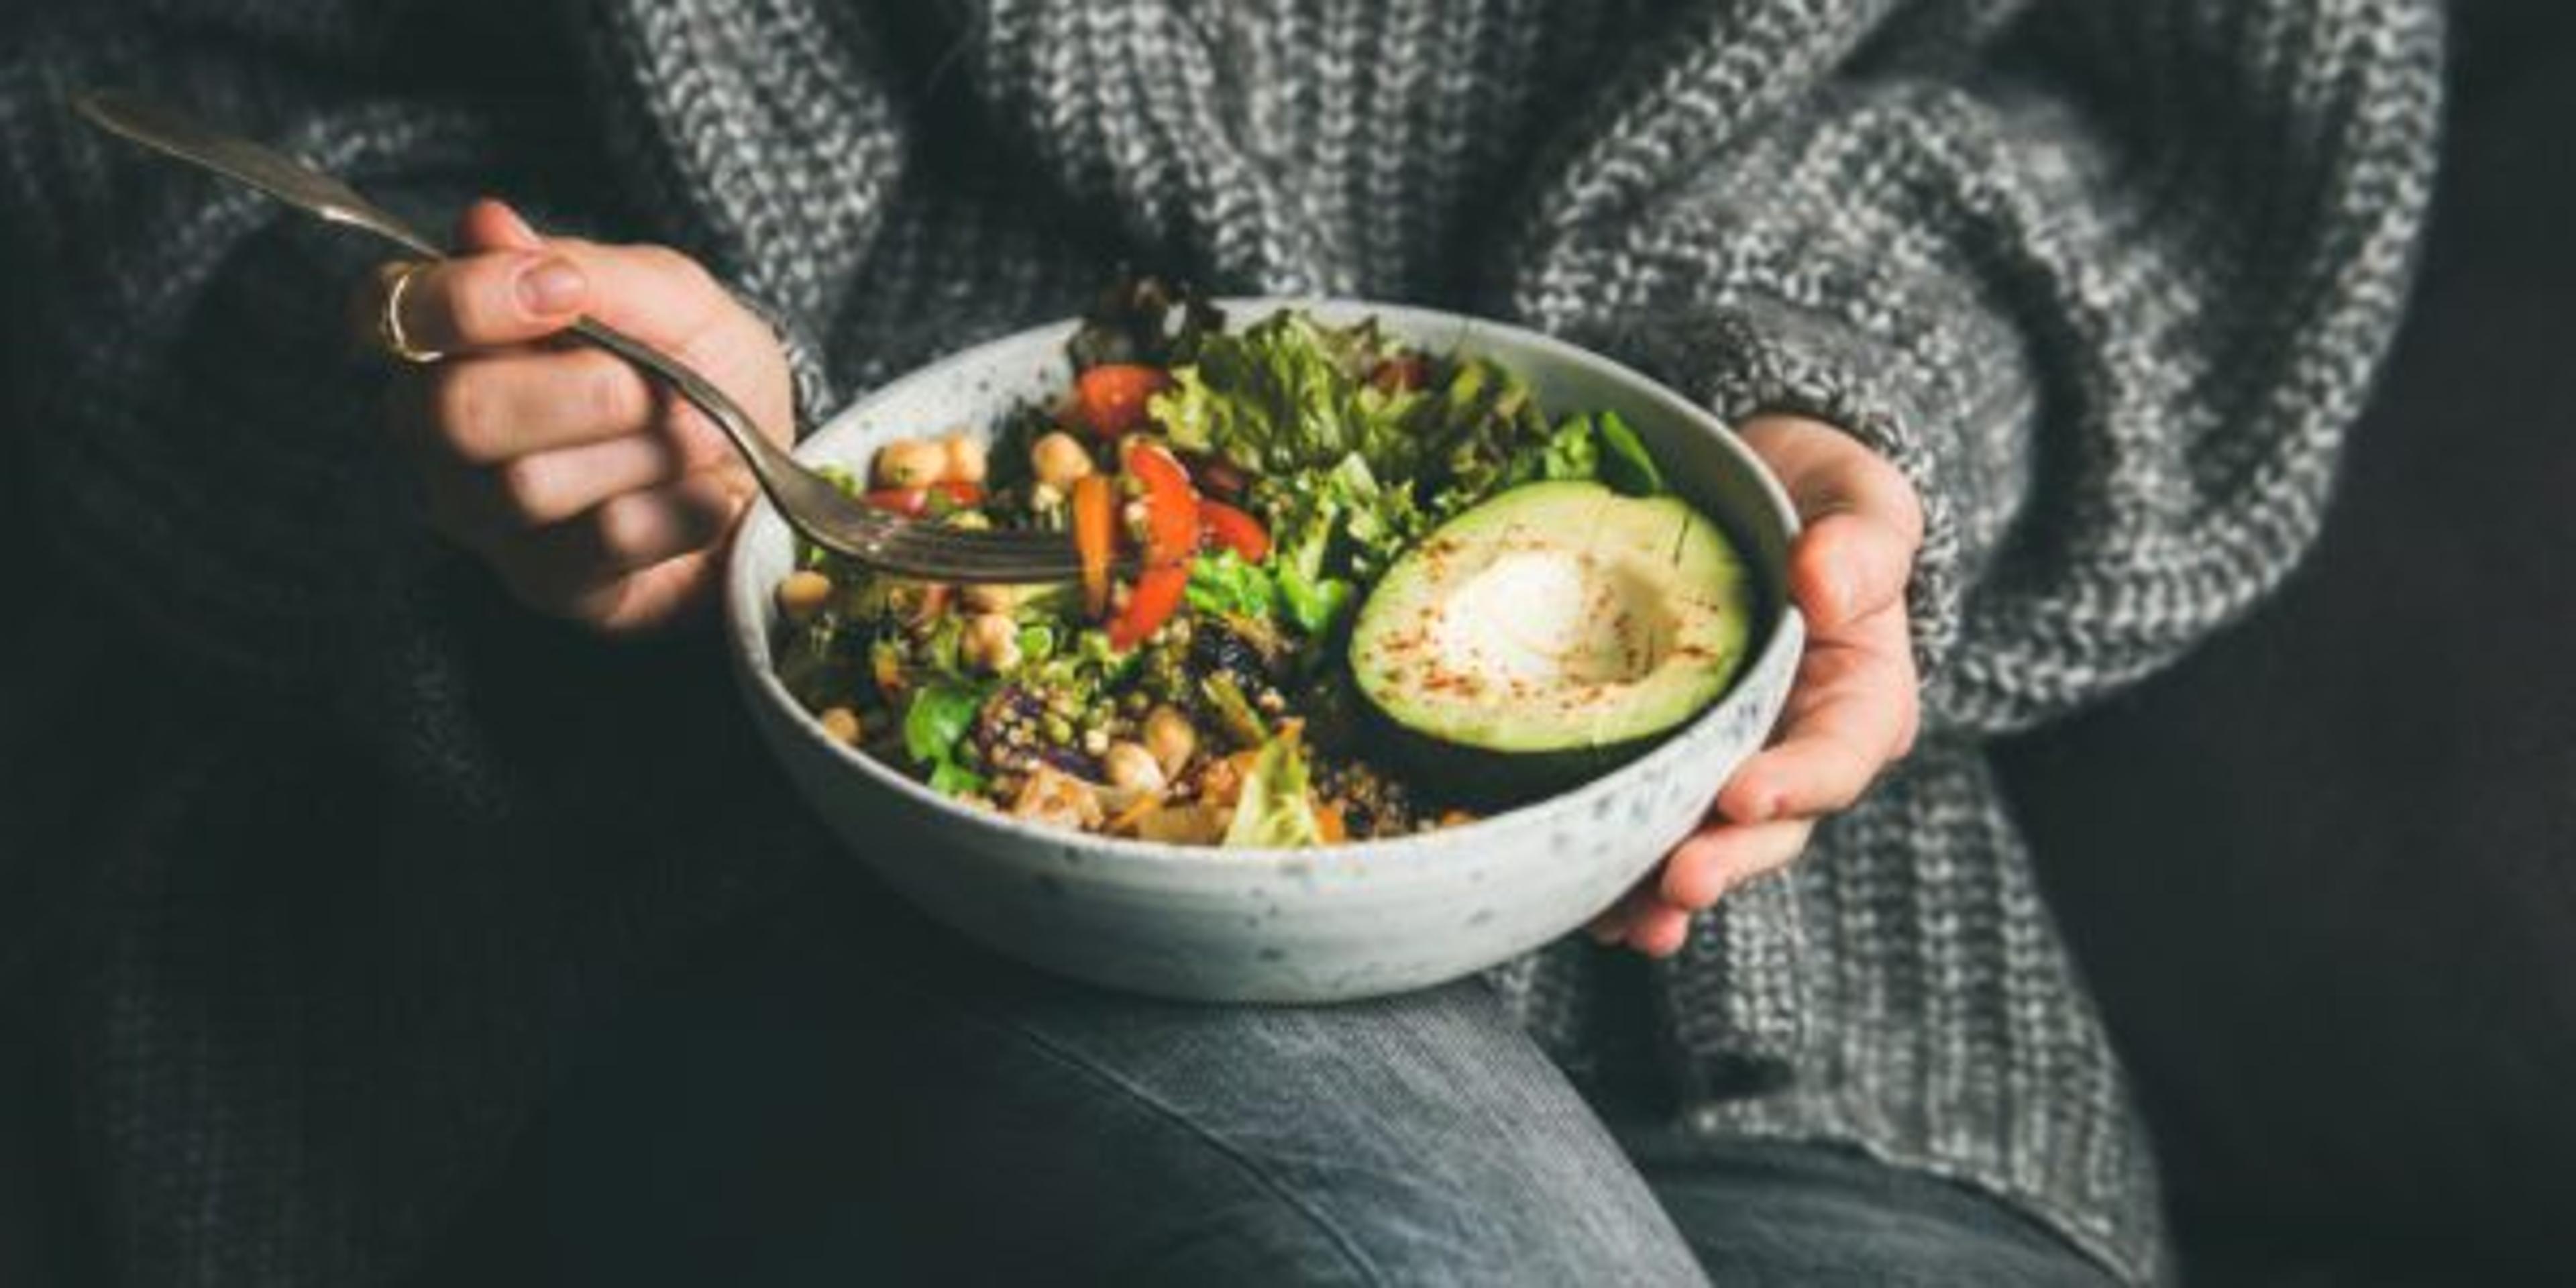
x,y
938,552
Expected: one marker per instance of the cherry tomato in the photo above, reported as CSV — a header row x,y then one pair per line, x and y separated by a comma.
x,y
1111,397
1150,603
1223,525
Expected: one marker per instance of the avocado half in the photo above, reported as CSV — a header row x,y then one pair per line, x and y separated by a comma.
x,y
1550,632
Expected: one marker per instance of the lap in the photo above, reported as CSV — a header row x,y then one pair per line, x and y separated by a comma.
x,y
921,1111
813,1117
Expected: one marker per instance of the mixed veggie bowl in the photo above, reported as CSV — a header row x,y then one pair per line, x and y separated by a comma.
x,y
1336,587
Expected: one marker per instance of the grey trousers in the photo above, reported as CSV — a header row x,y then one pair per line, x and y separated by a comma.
x,y
915,1112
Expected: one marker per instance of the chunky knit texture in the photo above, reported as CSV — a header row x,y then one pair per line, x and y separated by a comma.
x,y
2106,280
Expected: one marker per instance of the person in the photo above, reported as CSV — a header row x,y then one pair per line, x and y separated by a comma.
x,y
2049,315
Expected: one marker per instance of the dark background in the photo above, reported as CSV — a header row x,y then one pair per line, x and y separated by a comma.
x,y
2323,874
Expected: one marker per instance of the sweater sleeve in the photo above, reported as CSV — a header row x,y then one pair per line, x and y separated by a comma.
x,y
200,431
2106,281
200,422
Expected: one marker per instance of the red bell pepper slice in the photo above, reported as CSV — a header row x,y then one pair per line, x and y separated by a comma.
x,y
1150,603
1223,525
1171,504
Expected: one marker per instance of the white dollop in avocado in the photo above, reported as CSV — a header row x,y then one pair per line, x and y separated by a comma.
x,y
1555,617
1550,616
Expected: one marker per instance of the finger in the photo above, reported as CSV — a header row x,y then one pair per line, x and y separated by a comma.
x,y
1819,766
626,533
668,593
547,488
651,292
487,225
491,298
492,224
1848,564
1703,868
1828,471
1659,930
497,407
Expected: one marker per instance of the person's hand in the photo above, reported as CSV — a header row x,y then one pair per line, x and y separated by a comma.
x,y
596,495
1853,708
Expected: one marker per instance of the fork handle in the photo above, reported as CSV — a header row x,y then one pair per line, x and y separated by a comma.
x,y
770,464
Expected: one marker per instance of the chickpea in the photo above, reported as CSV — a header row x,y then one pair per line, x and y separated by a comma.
x,y
911,462
1058,459
991,641
802,594
1129,765
1170,739
966,463
1052,796
840,724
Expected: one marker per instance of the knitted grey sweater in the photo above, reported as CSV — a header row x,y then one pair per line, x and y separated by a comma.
x,y
2106,280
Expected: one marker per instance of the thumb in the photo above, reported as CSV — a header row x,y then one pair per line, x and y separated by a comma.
x,y
490,224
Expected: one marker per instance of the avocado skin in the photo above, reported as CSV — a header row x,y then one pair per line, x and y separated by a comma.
x,y
1486,781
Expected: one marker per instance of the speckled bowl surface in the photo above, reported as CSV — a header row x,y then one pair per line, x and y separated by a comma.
x,y
1311,925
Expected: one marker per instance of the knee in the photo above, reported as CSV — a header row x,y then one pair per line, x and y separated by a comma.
x,y
1431,1225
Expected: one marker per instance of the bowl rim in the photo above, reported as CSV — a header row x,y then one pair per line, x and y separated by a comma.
x,y
747,612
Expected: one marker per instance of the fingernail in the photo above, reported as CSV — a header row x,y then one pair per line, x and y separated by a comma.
x,y
551,286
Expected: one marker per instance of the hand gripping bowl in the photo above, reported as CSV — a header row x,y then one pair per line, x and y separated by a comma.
x,y
1312,925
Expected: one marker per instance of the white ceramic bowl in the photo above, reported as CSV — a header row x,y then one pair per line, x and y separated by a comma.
x,y
1314,925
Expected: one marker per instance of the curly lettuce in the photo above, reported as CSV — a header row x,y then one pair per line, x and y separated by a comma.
x,y
1288,394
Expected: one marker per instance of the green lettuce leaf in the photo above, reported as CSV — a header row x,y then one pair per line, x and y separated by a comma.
x,y
1571,452
937,721
1625,464
952,779
1227,583
1274,811
1489,434
1315,605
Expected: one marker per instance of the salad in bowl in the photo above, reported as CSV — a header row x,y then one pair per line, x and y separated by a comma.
x,y
1338,586
1408,642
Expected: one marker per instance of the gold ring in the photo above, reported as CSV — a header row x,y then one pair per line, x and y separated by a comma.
x,y
389,326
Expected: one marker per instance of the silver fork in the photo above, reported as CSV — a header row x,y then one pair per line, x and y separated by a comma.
x,y
810,503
